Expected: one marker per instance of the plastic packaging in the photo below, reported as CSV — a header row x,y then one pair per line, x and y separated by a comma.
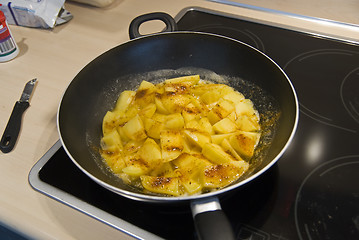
x,y
8,46
35,13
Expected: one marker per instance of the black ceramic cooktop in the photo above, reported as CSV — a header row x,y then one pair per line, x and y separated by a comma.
x,y
313,190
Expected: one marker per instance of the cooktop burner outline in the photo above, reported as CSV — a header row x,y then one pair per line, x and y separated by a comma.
x,y
337,87
322,211
352,105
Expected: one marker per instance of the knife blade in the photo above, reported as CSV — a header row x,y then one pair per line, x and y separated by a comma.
x,y
13,126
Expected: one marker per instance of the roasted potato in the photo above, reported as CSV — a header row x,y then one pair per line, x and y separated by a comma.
x,y
182,136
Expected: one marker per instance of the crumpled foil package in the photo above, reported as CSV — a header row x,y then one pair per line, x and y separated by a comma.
x,y
35,13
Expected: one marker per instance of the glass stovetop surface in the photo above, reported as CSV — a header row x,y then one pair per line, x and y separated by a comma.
x,y
313,190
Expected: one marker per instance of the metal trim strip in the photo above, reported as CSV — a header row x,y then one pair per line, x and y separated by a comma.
x,y
37,184
318,21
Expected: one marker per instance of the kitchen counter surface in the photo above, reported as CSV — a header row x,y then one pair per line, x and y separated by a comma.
x,y
55,56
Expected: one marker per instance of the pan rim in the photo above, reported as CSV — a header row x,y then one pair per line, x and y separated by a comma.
x,y
155,198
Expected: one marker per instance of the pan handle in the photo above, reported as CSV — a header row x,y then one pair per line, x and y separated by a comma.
x,y
134,32
210,221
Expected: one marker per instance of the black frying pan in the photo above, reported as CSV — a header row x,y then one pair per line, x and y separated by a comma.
x,y
97,86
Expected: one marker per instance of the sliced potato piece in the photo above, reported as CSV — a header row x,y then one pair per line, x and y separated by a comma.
x,y
135,170
165,170
124,100
232,116
191,164
190,169
196,137
245,107
171,144
135,165
145,88
192,78
132,147
211,97
205,125
174,121
193,124
191,112
114,161
211,93
124,117
227,147
109,122
175,102
188,147
234,97
148,110
191,186
221,110
134,129
153,128
111,142
177,88
160,106
225,126
159,117
163,185
218,138
123,135
145,94
118,165
244,143
221,175
150,152
242,165
202,108
247,124
216,154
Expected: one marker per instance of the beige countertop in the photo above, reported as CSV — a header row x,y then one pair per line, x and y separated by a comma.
x,y
55,56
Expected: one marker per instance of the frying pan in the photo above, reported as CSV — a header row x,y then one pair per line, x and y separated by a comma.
x,y
156,57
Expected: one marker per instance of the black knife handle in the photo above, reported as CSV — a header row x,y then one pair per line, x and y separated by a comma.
x,y
13,126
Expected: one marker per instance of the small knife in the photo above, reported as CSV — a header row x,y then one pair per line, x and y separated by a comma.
x,y
13,126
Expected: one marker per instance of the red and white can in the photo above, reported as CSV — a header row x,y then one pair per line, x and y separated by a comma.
x,y
8,46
